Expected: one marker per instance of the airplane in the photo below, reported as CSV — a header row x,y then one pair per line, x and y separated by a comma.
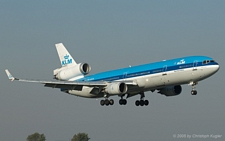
x,y
165,76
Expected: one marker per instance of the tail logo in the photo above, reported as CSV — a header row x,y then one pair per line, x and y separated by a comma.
x,y
67,60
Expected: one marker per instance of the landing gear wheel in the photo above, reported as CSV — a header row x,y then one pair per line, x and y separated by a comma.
x,y
194,92
146,102
137,103
102,102
107,102
142,103
111,101
123,102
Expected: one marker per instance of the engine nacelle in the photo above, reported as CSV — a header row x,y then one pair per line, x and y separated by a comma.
x,y
116,88
72,72
171,91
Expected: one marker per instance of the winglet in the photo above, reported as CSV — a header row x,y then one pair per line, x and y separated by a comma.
x,y
9,75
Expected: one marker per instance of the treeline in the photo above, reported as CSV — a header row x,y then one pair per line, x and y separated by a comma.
x,y
41,137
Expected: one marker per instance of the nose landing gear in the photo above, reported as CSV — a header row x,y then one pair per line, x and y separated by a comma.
x,y
193,91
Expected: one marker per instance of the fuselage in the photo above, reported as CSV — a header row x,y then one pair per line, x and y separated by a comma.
x,y
156,75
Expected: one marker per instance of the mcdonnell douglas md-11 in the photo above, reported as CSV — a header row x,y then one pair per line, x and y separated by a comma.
x,y
165,77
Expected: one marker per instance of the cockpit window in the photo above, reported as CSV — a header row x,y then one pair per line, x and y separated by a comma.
x,y
207,61
204,62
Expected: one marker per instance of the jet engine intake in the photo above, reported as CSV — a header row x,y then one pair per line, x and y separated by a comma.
x,y
171,90
116,88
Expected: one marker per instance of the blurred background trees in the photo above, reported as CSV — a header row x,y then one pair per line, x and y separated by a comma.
x,y
36,137
80,137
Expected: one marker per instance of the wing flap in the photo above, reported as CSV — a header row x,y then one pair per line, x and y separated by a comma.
x,y
63,86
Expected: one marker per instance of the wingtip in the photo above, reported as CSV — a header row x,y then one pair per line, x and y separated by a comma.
x,y
9,75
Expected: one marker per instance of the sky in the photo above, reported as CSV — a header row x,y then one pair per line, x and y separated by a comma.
x,y
109,35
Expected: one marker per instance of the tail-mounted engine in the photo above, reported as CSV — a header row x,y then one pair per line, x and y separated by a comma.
x,y
171,91
72,72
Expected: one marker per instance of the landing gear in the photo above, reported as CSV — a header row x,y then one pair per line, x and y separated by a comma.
x,y
123,101
142,102
193,91
107,102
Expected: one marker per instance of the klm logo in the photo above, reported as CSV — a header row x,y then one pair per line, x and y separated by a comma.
x,y
67,60
181,62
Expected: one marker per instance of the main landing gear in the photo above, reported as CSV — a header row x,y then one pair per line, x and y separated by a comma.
x,y
142,102
193,91
107,102
123,101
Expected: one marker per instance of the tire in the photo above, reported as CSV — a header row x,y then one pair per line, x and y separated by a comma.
x,y
137,103
124,102
121,101
107,102
102,102
111,101
146,102
142,103
194,92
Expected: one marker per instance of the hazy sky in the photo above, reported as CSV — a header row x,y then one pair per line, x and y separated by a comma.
x,y
109,35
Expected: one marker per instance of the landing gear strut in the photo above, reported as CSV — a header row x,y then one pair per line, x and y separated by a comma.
x,y
193,91
142,102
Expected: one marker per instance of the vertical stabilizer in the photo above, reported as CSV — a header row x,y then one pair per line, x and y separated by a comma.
x,y
66,60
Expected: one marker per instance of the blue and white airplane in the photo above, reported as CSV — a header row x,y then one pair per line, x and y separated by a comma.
x,y
166,77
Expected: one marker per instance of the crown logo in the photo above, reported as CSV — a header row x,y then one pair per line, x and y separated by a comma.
x,y
66,56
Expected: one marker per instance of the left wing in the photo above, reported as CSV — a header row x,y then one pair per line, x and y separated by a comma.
x,y
72,85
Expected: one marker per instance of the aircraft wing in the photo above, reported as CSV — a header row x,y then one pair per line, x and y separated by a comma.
x,y
73,85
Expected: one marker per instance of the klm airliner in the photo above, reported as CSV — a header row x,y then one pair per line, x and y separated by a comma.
x,y
165,77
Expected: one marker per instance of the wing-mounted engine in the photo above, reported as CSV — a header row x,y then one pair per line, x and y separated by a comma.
x,y
171,90
67,73
116,88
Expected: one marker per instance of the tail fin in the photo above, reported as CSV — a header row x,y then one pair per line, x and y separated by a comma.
x,y
65,58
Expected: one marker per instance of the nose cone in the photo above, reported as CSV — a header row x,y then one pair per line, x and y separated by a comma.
x,y
214,69
217,68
